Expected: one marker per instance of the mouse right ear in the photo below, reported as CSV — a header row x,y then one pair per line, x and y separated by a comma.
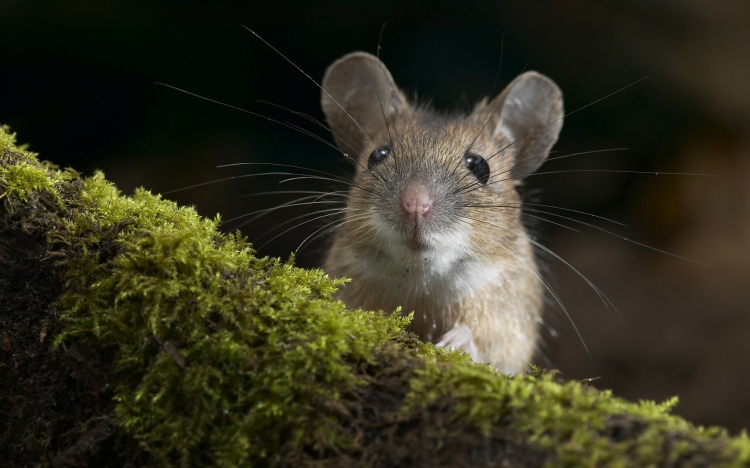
x,y
531,117
358,95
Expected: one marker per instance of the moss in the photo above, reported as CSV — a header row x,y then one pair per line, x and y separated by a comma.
x,y
203,354
581,425
24,175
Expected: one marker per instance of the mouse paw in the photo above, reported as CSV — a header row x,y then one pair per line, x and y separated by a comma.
x,y
461,337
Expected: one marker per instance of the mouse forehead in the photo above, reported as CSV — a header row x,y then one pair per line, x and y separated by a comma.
x,y
444,138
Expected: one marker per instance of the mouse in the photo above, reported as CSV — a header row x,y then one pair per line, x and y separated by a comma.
x,y
433,220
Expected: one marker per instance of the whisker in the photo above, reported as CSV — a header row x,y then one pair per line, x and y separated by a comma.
x,y
564,116
320,124
548,287
519,205
225,179
270,119
266,211
305,116
338,193
380,38
278,226
631,240
341,223
542,219
318,230
333,178
602,296
509,167
656,173
311,79
555,158
291,166
303,177
300,224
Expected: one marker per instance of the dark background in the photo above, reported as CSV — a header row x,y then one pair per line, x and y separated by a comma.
x,y
77,82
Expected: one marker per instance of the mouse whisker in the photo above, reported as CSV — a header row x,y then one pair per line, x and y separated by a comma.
x,y
280,225
305,116
537,217
361,129
290,166
278,122
507,168
655,173
321,194
246,222
519,206
607,303
613,171
331,128
552,222
335,213
289,204
316,232
339,223
224,179
261,174
314,177
629,240
326,230
549,289
564,116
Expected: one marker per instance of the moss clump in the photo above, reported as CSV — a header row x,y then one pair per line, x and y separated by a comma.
x,y
222,357
24,175
182,348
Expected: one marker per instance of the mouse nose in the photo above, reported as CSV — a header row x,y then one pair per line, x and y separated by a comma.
x,y
416,200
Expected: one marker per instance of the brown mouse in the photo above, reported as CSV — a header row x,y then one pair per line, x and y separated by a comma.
x,y
433,218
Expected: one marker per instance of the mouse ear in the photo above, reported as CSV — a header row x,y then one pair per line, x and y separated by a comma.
x,y
531,116
358,94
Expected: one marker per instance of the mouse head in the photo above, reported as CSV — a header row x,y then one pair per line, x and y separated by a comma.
x,y
421,170
360,99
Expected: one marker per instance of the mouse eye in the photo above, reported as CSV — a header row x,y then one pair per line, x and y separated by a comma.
x,y
378,156
478,166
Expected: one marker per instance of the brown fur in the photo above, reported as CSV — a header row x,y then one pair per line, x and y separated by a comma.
x,y
479,268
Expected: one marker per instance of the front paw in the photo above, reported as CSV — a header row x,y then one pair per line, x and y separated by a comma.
x,y
460,337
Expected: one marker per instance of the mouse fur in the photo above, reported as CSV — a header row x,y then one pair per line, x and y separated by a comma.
x,y
433,219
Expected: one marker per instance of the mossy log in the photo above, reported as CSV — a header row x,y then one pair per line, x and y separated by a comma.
x,y
134,333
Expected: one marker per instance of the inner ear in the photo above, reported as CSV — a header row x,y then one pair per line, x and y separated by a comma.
x,y
358,95
531,117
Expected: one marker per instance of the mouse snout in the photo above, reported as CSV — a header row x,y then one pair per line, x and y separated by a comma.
x,y
416,200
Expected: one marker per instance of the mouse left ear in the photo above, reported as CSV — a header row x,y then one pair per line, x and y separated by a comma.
x,y
531,117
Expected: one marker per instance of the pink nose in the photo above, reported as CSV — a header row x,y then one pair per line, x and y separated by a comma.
x,y
416,200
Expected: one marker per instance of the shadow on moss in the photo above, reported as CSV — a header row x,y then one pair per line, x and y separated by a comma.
x,y
174,345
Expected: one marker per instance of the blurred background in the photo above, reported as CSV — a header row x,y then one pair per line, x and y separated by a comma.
x,y
77,83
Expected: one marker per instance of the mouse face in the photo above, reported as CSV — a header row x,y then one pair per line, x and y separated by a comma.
x,y
436,189
423,192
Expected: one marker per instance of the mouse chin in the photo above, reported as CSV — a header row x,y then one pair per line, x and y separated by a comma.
x,y
416,245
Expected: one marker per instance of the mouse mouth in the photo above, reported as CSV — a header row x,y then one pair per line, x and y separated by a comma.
x,y
415,240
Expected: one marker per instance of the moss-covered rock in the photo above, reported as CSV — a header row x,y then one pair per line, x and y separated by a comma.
x,y
135,333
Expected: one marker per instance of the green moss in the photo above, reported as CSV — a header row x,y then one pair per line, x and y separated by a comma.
x,y
220,352
220,358
571,419
24,175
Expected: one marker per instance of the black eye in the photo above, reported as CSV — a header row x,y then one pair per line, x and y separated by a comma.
x,y
378,156
478,166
